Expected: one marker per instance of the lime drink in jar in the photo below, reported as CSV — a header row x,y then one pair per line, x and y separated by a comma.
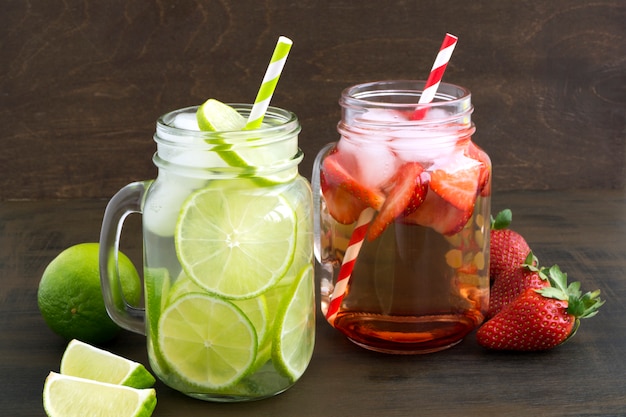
x,y
228,275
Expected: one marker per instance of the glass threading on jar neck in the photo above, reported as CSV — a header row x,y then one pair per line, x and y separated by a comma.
x,y
270,149
381,111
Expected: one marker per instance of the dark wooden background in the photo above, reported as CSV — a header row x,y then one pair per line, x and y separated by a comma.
x,y
83,82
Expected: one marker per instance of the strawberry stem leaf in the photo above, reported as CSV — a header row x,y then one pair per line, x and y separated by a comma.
x,y
579,305
502,220
585,306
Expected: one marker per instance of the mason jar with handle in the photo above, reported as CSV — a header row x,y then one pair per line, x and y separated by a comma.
x,y
402,219
228,251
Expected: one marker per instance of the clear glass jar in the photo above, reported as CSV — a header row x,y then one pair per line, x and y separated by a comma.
x,y
402,218
228,258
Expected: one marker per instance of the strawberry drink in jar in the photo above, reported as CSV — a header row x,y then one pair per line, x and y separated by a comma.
x,y
402,218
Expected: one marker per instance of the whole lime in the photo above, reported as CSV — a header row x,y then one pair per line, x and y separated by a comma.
x,y
70,297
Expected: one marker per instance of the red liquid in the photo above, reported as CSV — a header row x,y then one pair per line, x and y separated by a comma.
x,y
414,290
421,282
405,334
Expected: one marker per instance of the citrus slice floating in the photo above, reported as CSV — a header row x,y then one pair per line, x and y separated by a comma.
x,y
294,335
207,341
246,150
234,243
85,361
70,396
216,116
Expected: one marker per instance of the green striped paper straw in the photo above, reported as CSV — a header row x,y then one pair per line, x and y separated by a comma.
x,y
275,67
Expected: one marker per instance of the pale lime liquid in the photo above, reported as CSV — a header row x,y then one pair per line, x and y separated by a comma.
x,y
162,270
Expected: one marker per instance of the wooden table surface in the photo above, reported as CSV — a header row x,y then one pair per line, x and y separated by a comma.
x,y
582,231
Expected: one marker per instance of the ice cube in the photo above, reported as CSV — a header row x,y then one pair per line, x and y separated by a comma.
x,y
436,114
372,164
166,198
454,161
186,121
422,147
376,165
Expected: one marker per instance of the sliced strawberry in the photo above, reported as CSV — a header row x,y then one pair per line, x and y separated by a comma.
x,y
406,194
484,183
341,205
345,197
459,187
421,187
438,214
337,176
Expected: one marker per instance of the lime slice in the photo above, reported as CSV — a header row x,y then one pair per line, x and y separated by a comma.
x,y
157,283
70,396
207,341
85,361
255,308
300,198
294,335
216,116
234,243
299,195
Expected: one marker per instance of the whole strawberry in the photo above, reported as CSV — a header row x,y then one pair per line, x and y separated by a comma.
x,y
508,249
513,281
540,319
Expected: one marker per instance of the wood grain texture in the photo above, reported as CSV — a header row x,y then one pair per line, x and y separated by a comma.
x,y
82,83
583,232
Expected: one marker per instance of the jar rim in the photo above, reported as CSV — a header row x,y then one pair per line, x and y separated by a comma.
x,y
287,124
406,94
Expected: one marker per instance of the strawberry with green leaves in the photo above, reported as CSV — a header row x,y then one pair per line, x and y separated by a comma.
x,y
540,319
513,267
513,281
508,249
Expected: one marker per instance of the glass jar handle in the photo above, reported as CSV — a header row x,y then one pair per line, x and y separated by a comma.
x,y
126,201
317,196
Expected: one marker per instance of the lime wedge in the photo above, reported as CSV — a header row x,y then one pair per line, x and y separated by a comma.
x,y
216,116
234,243
70,396
209,354
293,338
85,361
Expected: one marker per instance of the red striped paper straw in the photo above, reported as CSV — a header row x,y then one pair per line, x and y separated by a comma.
x,y
347,265
435,76
366,216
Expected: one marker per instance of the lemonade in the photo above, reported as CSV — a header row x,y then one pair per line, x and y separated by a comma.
x,y
419,281
228,250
